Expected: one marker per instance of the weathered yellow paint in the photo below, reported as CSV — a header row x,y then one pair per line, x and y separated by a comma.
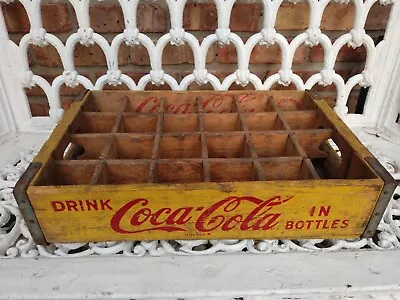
x,y
346,205
342,128
58,133
351,200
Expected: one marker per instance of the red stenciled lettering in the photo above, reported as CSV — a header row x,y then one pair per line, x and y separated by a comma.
x,y
335,223
180,216
152,102
213,102
169,108
246,99
345,224
300,225
325,225
232,223
318,222
206,219
58,206
105,204
155,217
140,216
309,222
117,218
185,108
92,204
71,205
143,218
258,216
289,225
81,205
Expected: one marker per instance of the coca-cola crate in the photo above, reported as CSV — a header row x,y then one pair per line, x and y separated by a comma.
x,y
148,165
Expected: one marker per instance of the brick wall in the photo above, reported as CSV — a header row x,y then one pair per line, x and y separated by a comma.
x,y
201,20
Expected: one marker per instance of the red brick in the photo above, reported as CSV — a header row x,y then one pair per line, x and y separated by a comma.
x,y
292,16
40,107
172,55
109,18
139,55
196,87
200,16
246,17
83,56
46,56
106,18
64,90
378,17
259,55
331,100
346,53
352,103
151,18
280,87
54,16
338,17
120,87
94,56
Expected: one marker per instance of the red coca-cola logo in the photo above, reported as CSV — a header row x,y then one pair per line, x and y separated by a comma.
x,y
214,103
225,215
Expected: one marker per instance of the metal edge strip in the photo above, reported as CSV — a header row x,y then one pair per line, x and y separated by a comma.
x,y
24,204
386,194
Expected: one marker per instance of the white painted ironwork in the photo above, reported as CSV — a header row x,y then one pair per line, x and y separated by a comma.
x,y
15,239
380,111
379,59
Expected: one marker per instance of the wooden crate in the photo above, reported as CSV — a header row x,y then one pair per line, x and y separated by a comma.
x,y
140,165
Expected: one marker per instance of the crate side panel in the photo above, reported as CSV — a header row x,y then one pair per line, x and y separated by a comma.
x,y
256,210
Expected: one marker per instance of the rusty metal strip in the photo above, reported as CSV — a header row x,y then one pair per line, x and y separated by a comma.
x,y
24,204
386,194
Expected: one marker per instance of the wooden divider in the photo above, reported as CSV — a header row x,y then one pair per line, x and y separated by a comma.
x,y
190,140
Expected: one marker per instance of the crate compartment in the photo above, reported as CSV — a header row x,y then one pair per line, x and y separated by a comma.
x,y
131,146
91,122
125,171
99,103
180,146
281,168
138,123
86,146
227,146
263,121
214,122
181,123
311,141
301,119
232,170
62,172
179,171
276,143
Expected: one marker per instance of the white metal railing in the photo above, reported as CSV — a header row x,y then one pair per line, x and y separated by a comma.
x,y
381,59
381,72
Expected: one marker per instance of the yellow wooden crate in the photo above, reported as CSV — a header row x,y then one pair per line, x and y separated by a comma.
x,y
141,165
